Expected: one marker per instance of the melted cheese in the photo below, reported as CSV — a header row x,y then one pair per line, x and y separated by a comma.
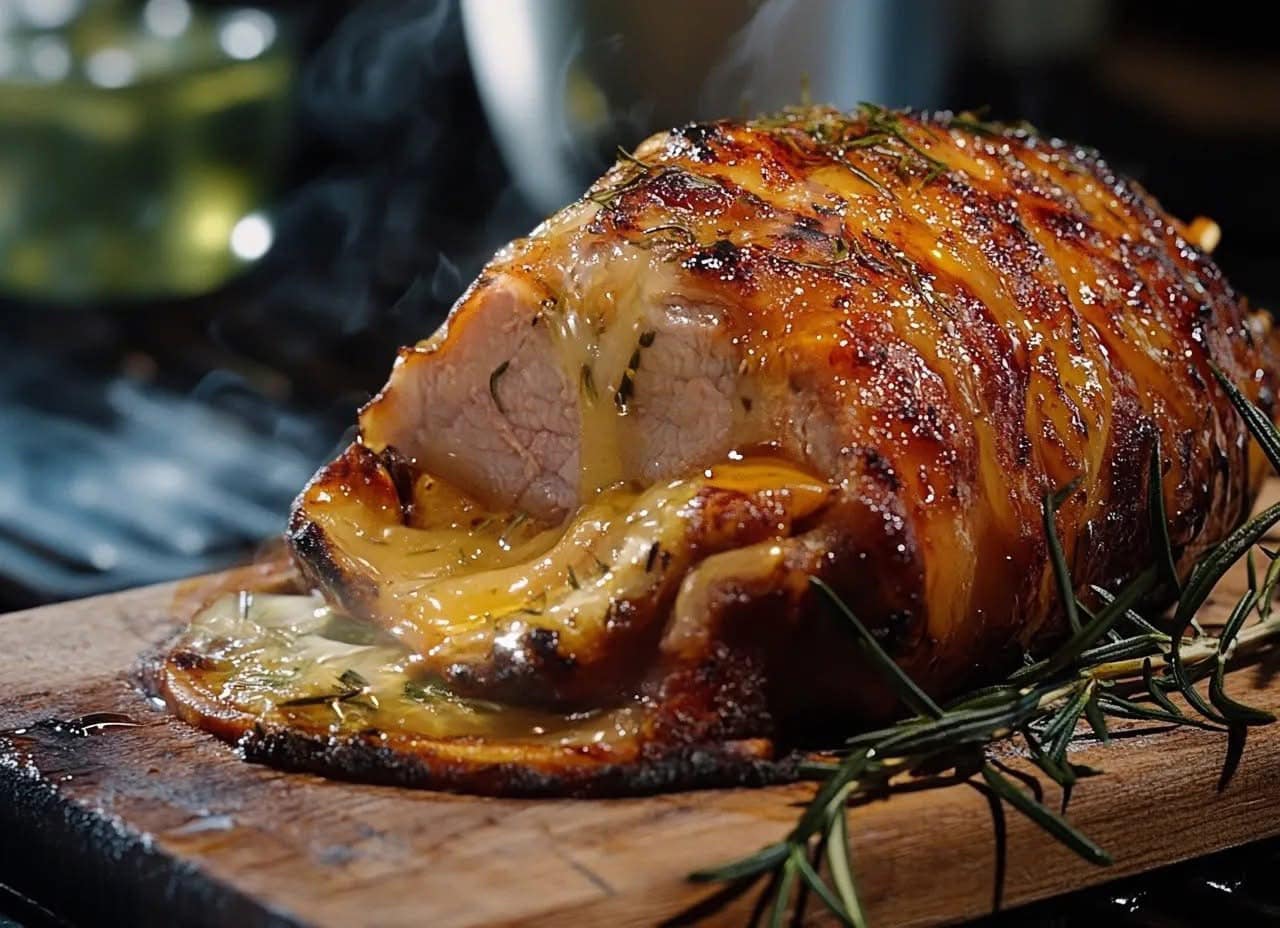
x,y
599,336
291,660
460,583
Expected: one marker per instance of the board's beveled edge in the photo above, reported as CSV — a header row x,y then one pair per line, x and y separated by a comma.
x,y
91,868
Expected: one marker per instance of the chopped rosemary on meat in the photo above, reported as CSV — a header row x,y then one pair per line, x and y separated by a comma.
x,y
886,124
493,384
867,179
606,196
627,385
1114,664
624,155
973,122
573,578
517,520
671,231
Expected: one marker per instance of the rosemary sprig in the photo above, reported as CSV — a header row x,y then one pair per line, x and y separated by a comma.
x,y
884,125
1115,650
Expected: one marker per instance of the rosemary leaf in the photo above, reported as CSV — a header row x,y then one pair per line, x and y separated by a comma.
x,y
958,728
1125,649
762,861
1130,616
1258,422
1266,594
1045,817
971,122
1061,572
819,886
987,696
867,179
914,697
1123,708
842,870
831,794
1161,544
1236,712
624,155
1210,570
1067,655
1230,708
867,141
1186,686
1235,622
1157,694
1060,772
1062,728
1097,721
778,917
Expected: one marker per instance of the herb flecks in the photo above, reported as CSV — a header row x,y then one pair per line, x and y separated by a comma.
x,y
517,520
670,232
627,385
631,179
885,125
974,121
352,685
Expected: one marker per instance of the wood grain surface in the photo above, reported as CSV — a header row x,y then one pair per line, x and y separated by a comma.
x,y
161,824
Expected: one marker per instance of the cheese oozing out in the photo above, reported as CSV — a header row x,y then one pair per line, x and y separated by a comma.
x,y
461,583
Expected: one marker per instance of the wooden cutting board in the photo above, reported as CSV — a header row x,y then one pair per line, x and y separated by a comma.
x,y
161,824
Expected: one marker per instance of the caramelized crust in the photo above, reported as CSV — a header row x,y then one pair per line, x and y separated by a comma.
x,y
940,320
944,348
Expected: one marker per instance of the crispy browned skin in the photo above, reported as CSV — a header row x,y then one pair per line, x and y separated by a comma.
x,y
940,346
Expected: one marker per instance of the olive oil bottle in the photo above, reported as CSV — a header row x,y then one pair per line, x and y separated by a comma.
x,y
138,145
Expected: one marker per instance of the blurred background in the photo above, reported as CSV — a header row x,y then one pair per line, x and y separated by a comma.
x,y
218,221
